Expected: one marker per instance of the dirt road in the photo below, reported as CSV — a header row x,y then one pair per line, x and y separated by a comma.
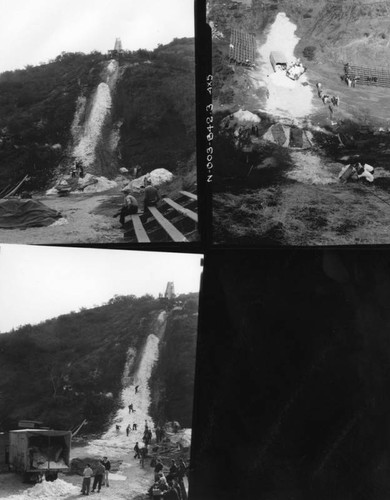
x,y
78,225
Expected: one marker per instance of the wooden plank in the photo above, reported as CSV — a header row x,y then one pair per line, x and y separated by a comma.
x,y
174,233
189,195
185,211
139,229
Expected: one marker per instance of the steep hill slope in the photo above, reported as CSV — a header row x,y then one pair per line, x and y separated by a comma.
x,y
71,367
140,109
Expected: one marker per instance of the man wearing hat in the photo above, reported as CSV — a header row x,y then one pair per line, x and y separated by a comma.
x,y
130,205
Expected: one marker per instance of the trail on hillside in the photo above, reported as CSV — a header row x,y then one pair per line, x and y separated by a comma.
x,y
286,97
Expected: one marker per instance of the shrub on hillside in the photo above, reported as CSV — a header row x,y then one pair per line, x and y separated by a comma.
x,y
309,52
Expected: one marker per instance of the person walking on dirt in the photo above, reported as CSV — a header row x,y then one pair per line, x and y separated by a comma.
x,y
143,455
87,474
107,466
128,430
134,427
98,479
136,389
137,450
131,409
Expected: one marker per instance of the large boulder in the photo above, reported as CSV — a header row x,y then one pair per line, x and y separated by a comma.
x,y
158,177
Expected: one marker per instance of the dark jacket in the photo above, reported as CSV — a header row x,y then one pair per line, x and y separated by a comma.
x,y
151,195
107,464
100,468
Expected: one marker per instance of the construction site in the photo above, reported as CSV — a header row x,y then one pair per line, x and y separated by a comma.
x,y
106,162
302,125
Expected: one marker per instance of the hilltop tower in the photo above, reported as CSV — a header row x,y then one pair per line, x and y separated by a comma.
x,y
170,291
117,51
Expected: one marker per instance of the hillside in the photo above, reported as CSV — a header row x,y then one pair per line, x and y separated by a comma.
x,y
172,380
70,368
281,144
44,111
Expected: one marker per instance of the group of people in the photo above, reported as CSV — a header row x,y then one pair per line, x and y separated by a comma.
x,y
160,434
130,202
100,476
333,101
170,486
357,171
77,170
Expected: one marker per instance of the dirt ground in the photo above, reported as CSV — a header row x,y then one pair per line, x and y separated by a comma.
x,y
131,482
81,224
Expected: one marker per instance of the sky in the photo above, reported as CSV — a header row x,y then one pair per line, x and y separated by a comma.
x,y
39,283
35,31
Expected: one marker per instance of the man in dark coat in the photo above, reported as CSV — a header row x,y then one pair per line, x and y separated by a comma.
x,y
137,450
107,466
99,474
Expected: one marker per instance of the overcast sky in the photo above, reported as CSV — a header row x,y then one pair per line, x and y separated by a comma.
x,y
38,283
34,31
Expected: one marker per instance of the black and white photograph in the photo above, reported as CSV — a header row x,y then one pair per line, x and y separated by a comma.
x,y
293,380
97,122
301,122
97,366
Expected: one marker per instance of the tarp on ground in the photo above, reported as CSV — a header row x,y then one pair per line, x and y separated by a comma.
x,y
20,214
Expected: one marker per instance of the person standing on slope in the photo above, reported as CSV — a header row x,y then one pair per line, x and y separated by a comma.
x,y
136,389
107,467
128,430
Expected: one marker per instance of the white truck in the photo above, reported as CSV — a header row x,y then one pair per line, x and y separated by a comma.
x,y
35,453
